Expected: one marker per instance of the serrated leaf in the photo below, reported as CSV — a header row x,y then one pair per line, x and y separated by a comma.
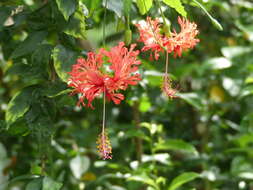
x,y
50,184
76,25
63,61
213,20
29,44
182,179
67,8
144,5
18,105
177,145
79,165
177,5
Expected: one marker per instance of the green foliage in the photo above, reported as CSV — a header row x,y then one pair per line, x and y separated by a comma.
x,y
19,105
67,8
177,5
144,5
181,179
201,140
213,20
63,60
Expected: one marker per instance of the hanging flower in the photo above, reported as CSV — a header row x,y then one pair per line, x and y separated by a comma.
x,y
185,39
150,35
89,79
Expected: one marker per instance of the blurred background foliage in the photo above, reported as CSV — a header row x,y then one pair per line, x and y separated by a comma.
x,y
201,140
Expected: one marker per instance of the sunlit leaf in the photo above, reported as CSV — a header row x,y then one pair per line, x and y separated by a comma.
x,y
76,25
144,179
177,5
50,184
218,63
79,165
233,51
213,20
182,179
193,99
5,12
144,5
19,105
63,61
176,145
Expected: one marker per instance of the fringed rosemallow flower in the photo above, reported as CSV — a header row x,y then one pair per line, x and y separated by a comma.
x,y
150,35
104,146
154,40
105,72
89,79
184,40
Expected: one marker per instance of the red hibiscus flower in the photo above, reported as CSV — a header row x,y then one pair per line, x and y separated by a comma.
x,y
89,79
185,39
150,35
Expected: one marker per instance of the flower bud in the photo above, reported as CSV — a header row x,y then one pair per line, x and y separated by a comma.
x,y
128,37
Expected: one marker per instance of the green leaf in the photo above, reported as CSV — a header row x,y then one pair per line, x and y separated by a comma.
x,y
247,91
177,145
50,184
145,104
115,6
127,6
67,8
144,179
182,179
63,61
29,44
79,165
5,12
177,5
76,25
193,99
19,105
247,121
55,89
235,51
144,5
2,125
213,20
217,63
92,5
35,184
